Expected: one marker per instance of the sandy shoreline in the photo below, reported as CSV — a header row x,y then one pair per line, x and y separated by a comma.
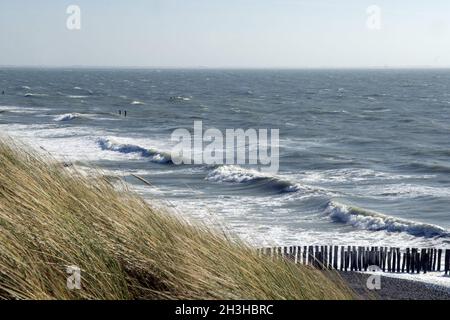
x,y
395,288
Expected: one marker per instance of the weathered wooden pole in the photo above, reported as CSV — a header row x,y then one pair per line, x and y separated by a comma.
x,y
434,259
394,260
383,259
389,260
439,260
330,257
418,261
298,255
403,262
359,258
397,250
447,261
424,260
335,260
408,260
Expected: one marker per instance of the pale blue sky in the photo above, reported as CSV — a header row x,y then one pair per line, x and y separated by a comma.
x,y
226,33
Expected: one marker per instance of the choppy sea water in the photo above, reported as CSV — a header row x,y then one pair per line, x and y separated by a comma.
x,y
364,154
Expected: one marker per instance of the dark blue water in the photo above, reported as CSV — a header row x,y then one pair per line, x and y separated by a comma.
x,y
364,154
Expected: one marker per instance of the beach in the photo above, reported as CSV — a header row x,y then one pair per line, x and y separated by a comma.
x,y
395,288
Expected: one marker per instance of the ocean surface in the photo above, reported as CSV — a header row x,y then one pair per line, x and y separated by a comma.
x,y
364,154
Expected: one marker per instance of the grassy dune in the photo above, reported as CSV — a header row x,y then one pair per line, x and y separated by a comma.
x,y
52,217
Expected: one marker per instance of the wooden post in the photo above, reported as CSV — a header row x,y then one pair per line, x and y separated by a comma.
x,y
377,257
398,259
352,259
342,259
389,260
359,258
330,257
304,255
349,257
394,260
447,262
413,260
382,259
335,261
292,253
366,258
403,262
311,255
347,253
417,263
374,256
298,255
434,259
439,260
424,260
285,252
408,260
430,253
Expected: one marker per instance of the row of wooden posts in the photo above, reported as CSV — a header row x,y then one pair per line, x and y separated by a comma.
x,y
352,258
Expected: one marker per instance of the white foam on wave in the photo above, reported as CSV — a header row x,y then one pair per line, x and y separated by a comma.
x,y
374,221
153,154
180,98
236,174
404,190
232,173
136,102
29,94
76,97
17,109
353,175
67,117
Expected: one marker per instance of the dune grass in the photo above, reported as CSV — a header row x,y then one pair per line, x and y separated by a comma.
x,y
52,217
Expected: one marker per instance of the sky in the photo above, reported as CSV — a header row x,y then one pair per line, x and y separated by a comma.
x,y
226,33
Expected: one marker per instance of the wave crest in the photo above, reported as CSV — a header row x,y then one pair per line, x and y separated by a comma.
x,y
154,155
236,174
374,221
67,117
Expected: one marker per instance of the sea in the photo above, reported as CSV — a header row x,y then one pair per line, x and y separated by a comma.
x,y
364,155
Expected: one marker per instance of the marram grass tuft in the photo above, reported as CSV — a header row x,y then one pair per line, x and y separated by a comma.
x,y
53,217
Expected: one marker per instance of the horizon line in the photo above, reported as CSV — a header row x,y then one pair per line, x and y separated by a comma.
x,y
421,67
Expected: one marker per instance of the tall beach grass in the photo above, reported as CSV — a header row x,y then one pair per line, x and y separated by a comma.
x,y
52,217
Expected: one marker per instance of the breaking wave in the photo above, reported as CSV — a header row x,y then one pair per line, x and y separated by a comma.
x,y
236,174
154,155
374,221
67,117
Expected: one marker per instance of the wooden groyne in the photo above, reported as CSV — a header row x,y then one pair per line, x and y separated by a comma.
x,y
352,258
